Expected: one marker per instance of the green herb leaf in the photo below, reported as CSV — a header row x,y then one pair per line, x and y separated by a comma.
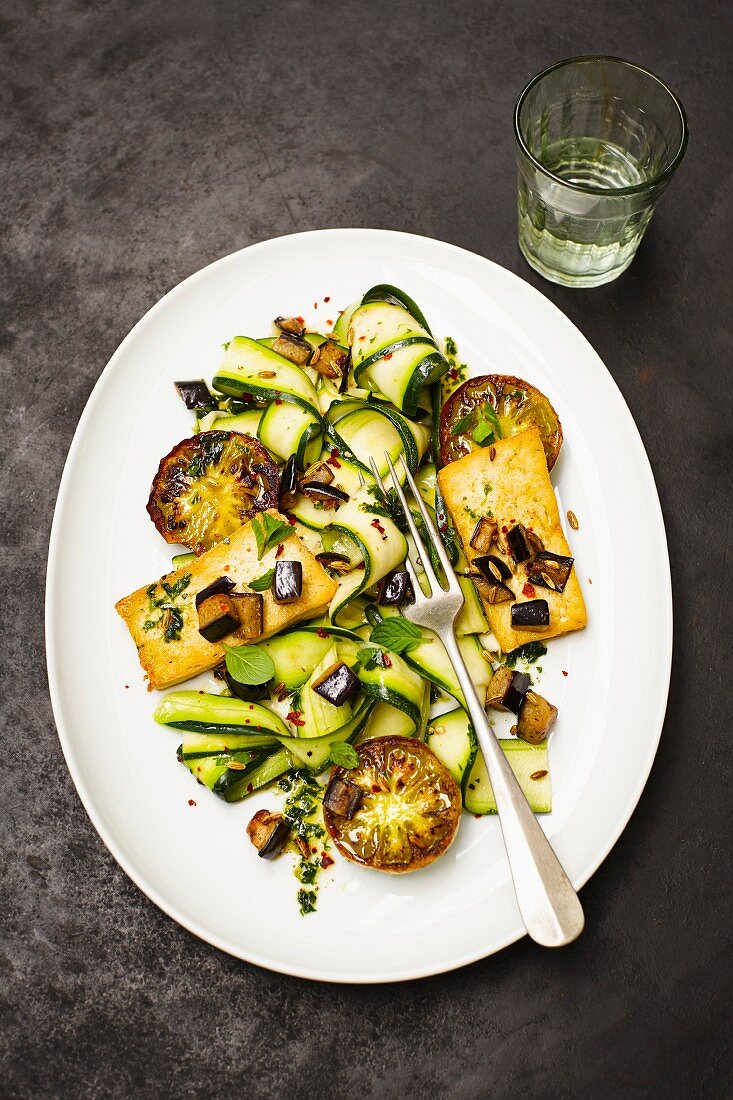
x,y
368,658
397,634
463,424
247,664
174,590
269,532
529,652
345,755
261,584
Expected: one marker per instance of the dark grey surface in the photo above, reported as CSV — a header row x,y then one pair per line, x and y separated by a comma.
x,y
143,140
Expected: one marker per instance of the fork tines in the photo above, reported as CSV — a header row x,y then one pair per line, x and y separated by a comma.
x,y
431,532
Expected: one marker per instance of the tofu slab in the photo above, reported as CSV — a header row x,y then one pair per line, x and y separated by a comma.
x,y
170,662
514,488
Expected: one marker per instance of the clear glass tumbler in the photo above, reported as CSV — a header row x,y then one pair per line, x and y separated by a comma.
x,y
597,141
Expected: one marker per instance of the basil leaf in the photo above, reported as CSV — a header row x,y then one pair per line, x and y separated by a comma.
x,y
247,664
345,755
261,584
397,634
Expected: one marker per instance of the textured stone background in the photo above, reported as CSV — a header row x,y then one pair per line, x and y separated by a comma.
x,y
142,140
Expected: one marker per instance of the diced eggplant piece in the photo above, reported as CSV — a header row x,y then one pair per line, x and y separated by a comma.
x,y
395,589
250,693
484,535
338,562
492,591
532,615
337,685
537,718
292,325
328,496
288,485
195,395
288,583
330,360
517,543
319,473
249,607
269,833
342,798
220,585
550,571
507,690
217,617
493,568
291,348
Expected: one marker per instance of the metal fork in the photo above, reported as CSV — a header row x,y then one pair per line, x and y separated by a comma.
x,y
550,908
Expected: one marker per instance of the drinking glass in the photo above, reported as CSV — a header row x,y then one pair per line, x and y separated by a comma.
x,y
598,140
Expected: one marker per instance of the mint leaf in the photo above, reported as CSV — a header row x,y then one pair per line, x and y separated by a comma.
x,y
345,755
247,664
368,658
462,425
397,634
269,532
261,584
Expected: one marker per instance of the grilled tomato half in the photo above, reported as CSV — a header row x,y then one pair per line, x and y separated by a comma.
x,y
409,809
209,485
493,407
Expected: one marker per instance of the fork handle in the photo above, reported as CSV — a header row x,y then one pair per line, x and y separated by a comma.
x,y
549,905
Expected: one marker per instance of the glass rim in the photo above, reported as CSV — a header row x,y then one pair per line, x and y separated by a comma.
x,y
587,189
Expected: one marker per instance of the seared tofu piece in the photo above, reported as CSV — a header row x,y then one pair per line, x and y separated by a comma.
x,y
170,647
514,488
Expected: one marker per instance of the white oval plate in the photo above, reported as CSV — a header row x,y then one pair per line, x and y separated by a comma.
x,y
195,862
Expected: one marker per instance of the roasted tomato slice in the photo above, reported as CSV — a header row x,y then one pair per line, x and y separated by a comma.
x,y
409,810
209,485
498,403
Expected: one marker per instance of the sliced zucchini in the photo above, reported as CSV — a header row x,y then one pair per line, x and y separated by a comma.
x,y
387,721
295,654
393,353
531,766
431,660
252,371
240,784
199,712
471,618
341,328
317,714
289,428
315,752
196,745
453,741
397,684
381,544
245,422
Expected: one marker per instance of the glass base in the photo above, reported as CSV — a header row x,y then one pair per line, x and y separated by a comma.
x,y
578,279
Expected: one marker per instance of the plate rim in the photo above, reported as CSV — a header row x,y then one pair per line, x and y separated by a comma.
x,y
66,741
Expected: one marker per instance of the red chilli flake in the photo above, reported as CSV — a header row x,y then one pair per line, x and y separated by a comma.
x,y
388,355
386,662
333,458
321,632
529,590
294,717
564,672
377,524
326,861
292,521
329,321
191,802
504,530
280,548
315,305
327,299
278,400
